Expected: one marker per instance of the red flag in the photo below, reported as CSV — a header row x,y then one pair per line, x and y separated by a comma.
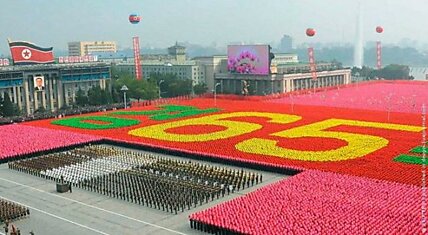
x,y
136,43
379,54
28,53
312,65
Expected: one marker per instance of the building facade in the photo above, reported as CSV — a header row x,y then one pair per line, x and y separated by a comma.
x,y
285,59
280,83
286,44
59,84
187,70
179,52
88,48
210,65
172,63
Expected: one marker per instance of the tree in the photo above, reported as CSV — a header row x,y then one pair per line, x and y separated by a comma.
x,y
389,72
106,97
81,98
148,89
40,110
7,108
171,85
94,96
98,96
138,89
200,88
394,72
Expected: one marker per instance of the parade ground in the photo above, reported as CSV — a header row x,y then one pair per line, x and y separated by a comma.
x,y
84,212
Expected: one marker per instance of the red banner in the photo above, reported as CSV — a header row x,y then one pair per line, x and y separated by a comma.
x,y
28,53
77,59
312,65
138,73
379,54
4,62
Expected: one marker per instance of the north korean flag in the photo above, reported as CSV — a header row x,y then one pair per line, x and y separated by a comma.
x,y
27,53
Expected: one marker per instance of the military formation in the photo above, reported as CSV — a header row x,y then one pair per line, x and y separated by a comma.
x,y
210,228
158,182
10,211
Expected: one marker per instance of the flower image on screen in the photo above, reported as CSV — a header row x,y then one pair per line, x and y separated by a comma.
x,y
248,59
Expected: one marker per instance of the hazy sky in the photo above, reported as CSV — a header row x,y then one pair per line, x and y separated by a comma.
x,y
56,22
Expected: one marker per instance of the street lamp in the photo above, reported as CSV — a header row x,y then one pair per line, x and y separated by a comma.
x,y
124,89
160,82
215,93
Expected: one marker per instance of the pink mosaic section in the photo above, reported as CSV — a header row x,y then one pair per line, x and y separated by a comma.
x,y
22,139
316,202
407,97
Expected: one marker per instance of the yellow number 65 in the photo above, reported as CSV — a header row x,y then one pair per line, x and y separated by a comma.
x,y
358,145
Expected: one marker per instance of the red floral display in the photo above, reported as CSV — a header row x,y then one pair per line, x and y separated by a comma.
x,y
22,139
378,164
315,202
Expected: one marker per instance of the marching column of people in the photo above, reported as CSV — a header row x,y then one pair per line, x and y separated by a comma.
x,y
12,211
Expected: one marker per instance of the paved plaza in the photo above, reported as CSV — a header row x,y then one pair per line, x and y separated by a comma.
x,y
83,212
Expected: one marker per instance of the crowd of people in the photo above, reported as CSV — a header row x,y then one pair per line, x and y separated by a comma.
x,y
317,202
158,182
211,228
25,141
385,96
10,211
60,113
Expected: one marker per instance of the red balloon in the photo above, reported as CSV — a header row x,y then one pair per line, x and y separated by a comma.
x,y
134,18
310,32
379,29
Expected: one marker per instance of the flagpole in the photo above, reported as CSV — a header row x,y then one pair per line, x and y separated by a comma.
x,y
11,54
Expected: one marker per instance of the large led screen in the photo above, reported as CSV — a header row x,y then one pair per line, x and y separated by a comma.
x,y
248,59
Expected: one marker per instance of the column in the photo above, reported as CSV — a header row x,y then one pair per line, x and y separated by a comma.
x,y
36,100
286,85
73,96
59,97
18,94
43,94
11,96
26,96
15,100
65,94
51,91
101,84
